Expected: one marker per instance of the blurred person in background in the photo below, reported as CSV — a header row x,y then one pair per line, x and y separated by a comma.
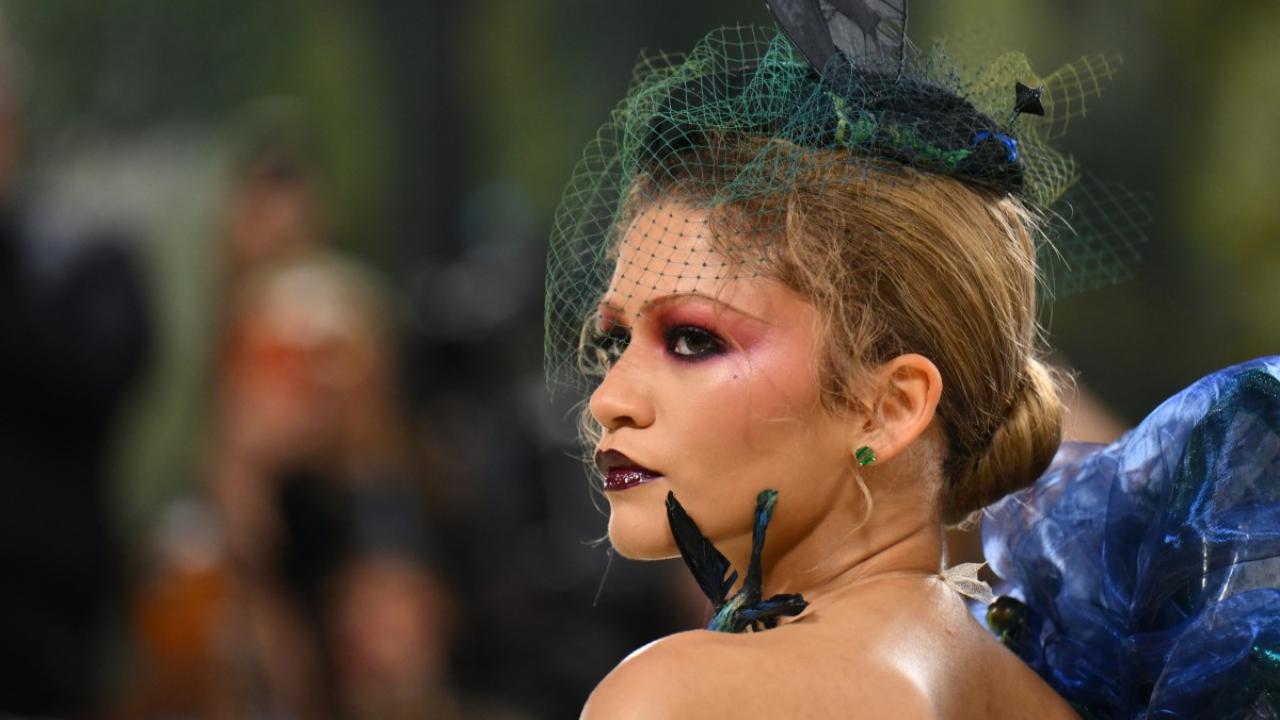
x,y
323,522
74,340
314,591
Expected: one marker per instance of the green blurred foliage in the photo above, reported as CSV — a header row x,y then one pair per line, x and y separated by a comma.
x,y
92,72
551,71
1225,199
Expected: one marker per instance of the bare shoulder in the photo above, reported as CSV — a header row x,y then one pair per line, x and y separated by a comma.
x,y
902,650
909,652
701,674
668,678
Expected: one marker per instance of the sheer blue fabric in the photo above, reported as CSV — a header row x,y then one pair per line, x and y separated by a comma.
x,y
1150,567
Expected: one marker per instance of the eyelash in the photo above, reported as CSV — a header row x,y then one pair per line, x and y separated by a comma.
x,y
614,341
674,335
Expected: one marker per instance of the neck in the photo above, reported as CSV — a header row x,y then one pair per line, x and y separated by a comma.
x,y
900,538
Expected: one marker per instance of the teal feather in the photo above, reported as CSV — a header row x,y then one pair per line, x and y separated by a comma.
x,y
710,569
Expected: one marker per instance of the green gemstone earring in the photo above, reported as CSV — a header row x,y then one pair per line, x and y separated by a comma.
x,y
865,455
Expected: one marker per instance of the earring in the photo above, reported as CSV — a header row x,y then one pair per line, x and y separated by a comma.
x,y
865,455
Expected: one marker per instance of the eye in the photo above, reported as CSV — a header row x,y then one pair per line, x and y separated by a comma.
x,y
692,343
612,342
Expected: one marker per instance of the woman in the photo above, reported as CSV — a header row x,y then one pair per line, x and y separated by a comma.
x,y
809,274
727,388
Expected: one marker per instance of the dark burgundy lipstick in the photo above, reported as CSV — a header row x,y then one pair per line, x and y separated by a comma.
x,y
620,472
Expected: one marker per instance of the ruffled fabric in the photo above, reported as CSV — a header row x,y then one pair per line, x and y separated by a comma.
x,y
1150,568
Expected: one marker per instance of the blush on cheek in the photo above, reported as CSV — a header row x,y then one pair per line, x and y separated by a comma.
x,y
782,372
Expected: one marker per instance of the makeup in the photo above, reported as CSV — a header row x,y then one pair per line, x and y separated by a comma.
x,y
621,473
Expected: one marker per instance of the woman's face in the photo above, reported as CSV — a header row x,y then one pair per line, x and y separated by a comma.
x,y
715,396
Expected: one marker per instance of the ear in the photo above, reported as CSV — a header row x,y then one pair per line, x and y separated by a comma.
x,y
908,389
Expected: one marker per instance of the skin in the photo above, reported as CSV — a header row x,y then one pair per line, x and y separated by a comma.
x,y
718,391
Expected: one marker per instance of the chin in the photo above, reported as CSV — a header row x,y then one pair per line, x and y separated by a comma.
x,y
641,533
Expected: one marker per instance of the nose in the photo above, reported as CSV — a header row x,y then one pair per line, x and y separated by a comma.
x,y
623,398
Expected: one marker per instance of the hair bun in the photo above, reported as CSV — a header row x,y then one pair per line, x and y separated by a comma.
x,y
1021,447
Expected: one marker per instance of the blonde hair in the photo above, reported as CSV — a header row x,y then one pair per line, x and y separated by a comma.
x,y
897,262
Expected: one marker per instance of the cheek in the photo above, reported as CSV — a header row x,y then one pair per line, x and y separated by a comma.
x,y
754,419
773,432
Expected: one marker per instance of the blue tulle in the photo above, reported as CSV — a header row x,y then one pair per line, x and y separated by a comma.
x,y
1150,567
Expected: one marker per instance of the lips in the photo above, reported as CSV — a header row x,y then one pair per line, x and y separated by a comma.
x,y
621,472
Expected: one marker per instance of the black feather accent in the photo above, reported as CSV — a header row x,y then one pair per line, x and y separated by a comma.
x,y
709,567
745,609
752,588
802,22
869,32
1027,99
766,612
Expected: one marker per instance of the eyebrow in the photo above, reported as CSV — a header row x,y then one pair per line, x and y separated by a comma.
x,y
615,313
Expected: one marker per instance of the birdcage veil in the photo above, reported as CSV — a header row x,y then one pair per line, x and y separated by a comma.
x,y
751,114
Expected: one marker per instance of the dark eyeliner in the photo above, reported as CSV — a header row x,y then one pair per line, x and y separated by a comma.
x,y
705,343
613,341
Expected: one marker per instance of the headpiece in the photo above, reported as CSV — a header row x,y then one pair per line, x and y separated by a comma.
x,y
743,116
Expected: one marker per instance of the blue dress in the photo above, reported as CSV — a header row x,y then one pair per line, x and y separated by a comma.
x,y
1150,568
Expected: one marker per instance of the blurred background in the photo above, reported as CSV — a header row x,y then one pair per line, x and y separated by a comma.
x,y
274,435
